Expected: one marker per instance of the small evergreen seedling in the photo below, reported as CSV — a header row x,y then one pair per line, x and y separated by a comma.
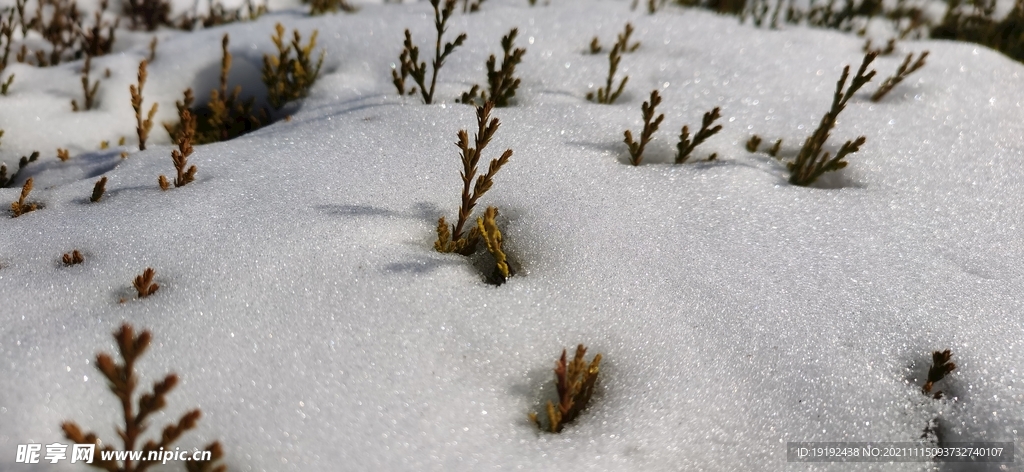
x,y
575,383
291,74
122,380
686,146
144,285
21,206
98,189
811,162
904,70
753,143
63,154
636,149
186,173
502,82
941,366
320,7
454,240
774,150
73,258
605,94
143,126
488,230
409,57
88,89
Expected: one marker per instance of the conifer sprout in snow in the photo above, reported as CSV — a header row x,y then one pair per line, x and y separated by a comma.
x,y
471,6
753,143
410,64
636,149
812,162
491,235
179,157
320,7
575,382
73,258
122,381
686,146
502,83
88,89
143,126
453,239
941,366
98,189
22,206
605,94
291,74
904,70
143,283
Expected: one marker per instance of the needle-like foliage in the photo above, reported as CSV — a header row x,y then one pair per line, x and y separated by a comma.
x,y
22,206
502,82
454,240
409,57
575,382
904,70
291,74
941,366
686,146
812,161
636,149
143,126
605,94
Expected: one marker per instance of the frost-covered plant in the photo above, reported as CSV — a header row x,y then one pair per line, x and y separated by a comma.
x,y
686,146
605,94
904,70
575,382
22,206
812,162
941,366
122,380
143,126
291,74
636,149
409,57
502,83
454,240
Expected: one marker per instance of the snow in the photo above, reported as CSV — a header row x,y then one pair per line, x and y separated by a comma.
x,y
307,314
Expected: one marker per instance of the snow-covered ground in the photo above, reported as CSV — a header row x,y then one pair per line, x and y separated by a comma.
x,y
308,315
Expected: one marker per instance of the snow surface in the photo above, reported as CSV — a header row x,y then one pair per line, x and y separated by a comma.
x,y
307,314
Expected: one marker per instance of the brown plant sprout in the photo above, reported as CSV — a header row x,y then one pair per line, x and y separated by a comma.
x,y
63,154
6,85
289,78
98,189
186,173
636,149
605,95
409,57
941,366
595,46
491,235
122,381
73,258
93,41
21,207
686,146
144,285
152,49
89,90
774,150
502,82
143,126
471,6
623,40
455,240
889,48
904,70
811,162
24,162
216,453
575,382
753,143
